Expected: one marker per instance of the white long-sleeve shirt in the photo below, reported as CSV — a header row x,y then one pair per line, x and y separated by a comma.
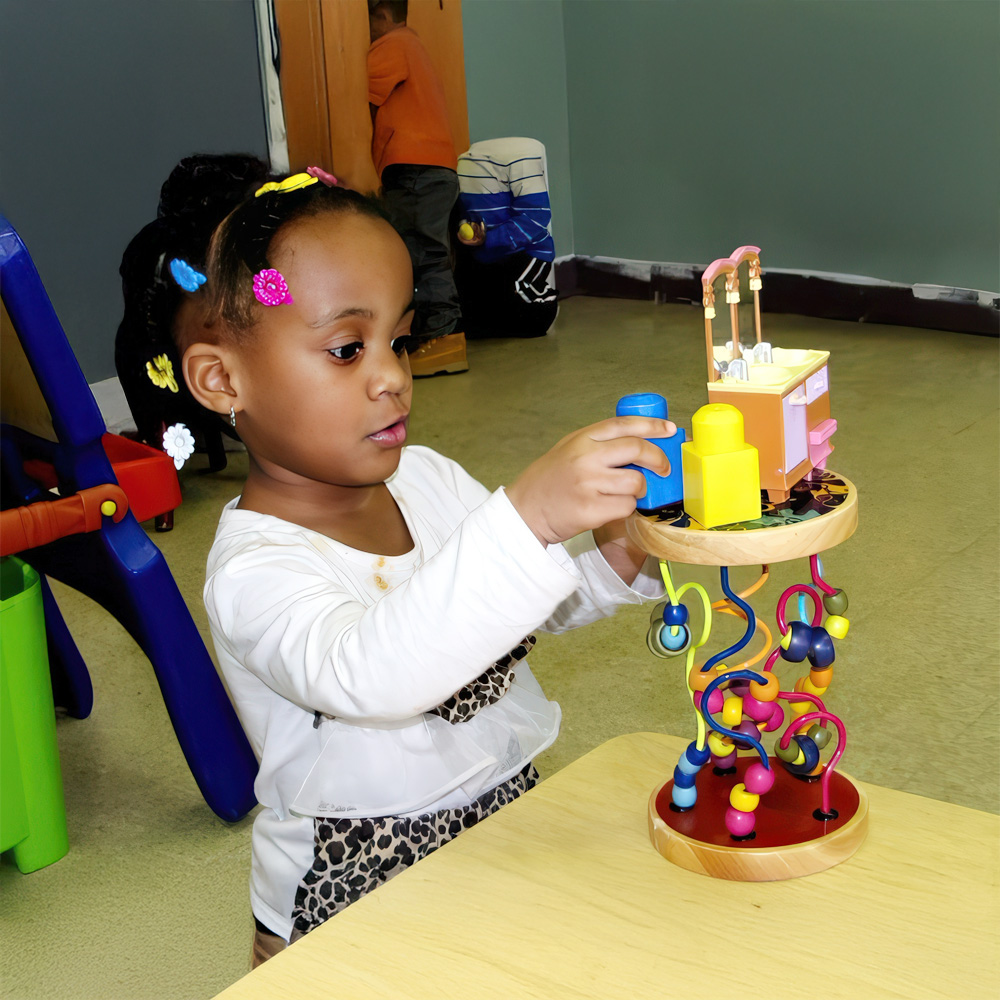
x,y
303,624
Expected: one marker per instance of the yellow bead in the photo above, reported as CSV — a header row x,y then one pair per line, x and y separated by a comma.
x,y
809,688
836,625
740,798
721,746
732,712
801,707
108,508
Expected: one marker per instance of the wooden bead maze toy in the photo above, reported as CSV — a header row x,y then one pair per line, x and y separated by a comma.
x,y
732,809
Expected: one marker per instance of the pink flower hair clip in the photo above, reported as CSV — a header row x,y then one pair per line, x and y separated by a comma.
x,y
270,288
320,174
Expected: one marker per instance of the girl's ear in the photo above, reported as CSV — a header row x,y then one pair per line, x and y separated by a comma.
x,y
207,372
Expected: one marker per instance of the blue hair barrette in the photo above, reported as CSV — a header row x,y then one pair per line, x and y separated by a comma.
x,y
186,276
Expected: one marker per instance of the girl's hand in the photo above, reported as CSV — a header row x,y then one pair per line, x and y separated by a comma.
x,y
582,483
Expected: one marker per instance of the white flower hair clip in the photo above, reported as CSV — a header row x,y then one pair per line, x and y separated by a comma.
x,y
178,443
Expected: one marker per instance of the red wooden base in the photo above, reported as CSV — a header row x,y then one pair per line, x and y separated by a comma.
x,y
789,840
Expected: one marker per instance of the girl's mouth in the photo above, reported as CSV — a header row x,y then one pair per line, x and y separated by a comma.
x,y
391,436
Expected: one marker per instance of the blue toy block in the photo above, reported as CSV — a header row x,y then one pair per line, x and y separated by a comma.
x,y
661,491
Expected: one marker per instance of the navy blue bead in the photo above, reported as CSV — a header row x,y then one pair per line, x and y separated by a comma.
x,y
675,614
821,652
696,756
811,752
683,780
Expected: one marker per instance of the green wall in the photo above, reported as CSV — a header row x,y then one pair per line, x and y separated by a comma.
x,y
100,100
855,137
515,74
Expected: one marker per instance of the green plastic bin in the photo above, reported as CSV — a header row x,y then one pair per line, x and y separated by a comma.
x,y
32,807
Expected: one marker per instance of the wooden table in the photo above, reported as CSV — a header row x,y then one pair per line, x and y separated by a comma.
x,y
561,894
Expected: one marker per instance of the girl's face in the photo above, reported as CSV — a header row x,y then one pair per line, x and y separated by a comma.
x,y
324,381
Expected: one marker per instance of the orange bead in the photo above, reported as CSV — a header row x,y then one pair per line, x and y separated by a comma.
x,y
700,679
768,691
821,678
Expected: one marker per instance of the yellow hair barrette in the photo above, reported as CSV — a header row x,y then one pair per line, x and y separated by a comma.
x,y
293,183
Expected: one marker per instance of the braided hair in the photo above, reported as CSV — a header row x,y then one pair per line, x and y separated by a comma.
x,y
242,243
200,191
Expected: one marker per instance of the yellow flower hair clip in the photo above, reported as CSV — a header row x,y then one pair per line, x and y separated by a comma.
x,y
161,373
293,183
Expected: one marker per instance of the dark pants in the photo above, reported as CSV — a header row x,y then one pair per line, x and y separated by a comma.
x,y
504,298
419,201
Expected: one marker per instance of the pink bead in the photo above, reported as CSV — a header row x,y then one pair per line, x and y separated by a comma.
x,y
739,824
759,711
777,719
715,700
759,779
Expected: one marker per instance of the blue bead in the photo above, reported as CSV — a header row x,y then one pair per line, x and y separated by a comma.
x,y
684,798
821,652
696,756
687,766
675,643
683,780
811,752
675,614
799,643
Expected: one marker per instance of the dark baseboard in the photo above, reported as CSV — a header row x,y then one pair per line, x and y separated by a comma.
x,y
959,310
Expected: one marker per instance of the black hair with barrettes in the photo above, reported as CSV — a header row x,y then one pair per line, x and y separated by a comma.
x,y
159,269
241,245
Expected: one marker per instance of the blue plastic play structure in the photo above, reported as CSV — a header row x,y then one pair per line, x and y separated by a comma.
x,y
117,566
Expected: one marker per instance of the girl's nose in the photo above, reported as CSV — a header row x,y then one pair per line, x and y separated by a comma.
x,y
392,374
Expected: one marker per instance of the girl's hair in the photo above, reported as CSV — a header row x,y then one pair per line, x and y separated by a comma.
x,y
242,243
200,191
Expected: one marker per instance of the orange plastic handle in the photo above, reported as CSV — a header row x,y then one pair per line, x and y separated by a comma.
x,y
38,524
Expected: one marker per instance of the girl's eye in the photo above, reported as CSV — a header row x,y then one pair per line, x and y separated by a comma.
x,y
347,351
403,345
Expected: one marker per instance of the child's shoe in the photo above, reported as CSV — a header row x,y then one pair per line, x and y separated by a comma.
x,y
440,356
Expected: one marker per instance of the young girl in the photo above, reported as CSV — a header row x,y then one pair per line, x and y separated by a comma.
x,y
372,604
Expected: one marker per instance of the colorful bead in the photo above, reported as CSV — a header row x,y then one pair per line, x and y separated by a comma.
x,y
739,823
835,603
675,614
684,798
821,652
776,721
810,756
675,638
819,735
720,746
837,626
821,677
682,780
767,691
759,779
696,756
796,642
725,763
732,712
809,688
746,728
759,711
740,798
699,679
715,702
789,753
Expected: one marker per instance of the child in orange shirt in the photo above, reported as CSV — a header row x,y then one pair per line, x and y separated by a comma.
x,y
414,155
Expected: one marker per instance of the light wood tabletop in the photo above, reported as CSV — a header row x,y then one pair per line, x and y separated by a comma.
x,y
561,895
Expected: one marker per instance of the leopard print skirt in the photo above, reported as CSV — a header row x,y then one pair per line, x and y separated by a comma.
x,y
354,856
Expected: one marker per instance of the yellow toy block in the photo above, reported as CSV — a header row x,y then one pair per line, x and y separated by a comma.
x,y
721,471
